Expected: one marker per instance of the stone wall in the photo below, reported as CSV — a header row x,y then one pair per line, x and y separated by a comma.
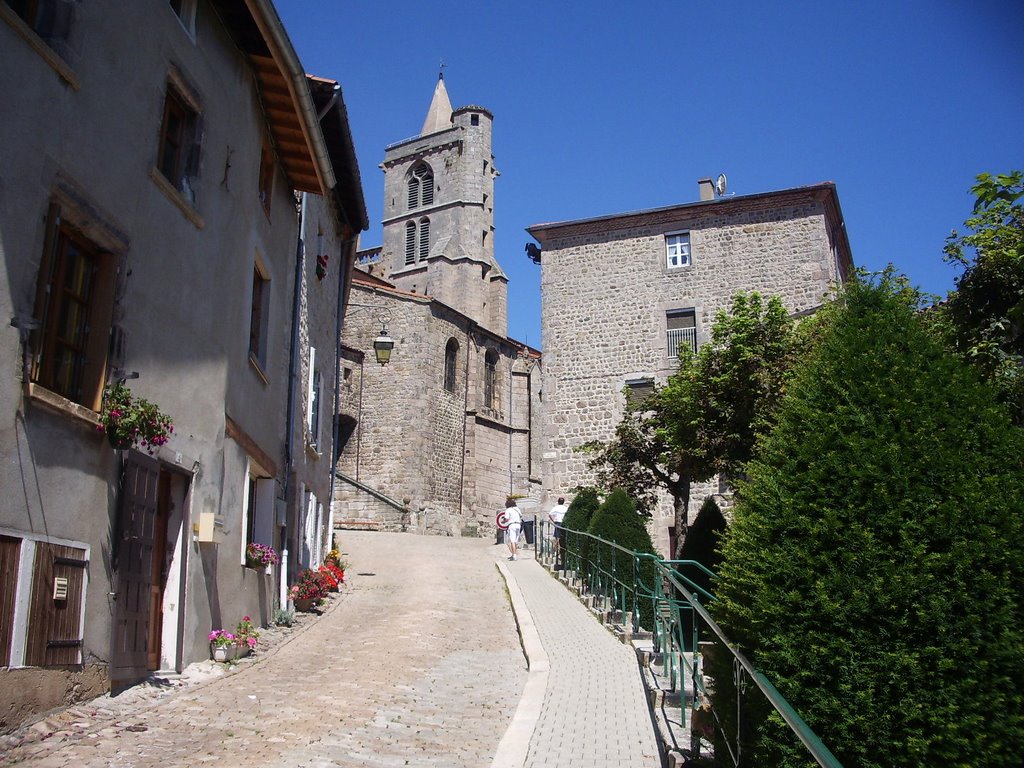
x,y
606,289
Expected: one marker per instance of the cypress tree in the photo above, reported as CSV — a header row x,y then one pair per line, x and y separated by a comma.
x,y
618,521
874,566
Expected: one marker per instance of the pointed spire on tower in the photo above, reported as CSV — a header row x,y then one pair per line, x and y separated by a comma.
x,y
439,116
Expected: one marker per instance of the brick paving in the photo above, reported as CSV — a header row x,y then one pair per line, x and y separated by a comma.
x,y
594,711
417,663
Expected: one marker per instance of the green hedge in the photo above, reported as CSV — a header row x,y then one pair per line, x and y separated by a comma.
x,y
874,567
617,521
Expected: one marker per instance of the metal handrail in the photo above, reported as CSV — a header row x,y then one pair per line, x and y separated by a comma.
x,y
605,582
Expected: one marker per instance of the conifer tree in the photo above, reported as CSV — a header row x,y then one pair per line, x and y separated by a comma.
x,y
874,567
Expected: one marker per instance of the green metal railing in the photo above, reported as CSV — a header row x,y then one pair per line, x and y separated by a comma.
x,y
666,598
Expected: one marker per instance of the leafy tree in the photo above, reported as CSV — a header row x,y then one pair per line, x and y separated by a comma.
x,y
874,565
704,420
617,521
984,316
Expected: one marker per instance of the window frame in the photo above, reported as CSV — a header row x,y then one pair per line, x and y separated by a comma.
x,y
179,151
675,253
673,341
259,318
451,364
266,175
89,352
490,379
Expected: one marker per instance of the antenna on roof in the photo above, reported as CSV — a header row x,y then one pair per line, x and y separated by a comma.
x,y
721,184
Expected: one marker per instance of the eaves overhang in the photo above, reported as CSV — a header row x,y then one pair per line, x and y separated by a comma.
x,y
283,90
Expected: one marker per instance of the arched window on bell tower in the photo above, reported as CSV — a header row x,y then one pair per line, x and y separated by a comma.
x,y
421,186
410,242
424,239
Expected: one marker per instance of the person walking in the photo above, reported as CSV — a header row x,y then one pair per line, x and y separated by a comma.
x,y
556,515
514,517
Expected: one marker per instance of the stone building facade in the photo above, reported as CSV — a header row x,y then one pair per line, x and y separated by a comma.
x,y
438,438
619,293
149,235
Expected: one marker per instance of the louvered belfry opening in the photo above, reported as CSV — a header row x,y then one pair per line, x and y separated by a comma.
x,y
410,243
421,186
424,239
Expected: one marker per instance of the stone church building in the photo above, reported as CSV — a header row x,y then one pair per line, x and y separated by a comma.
x,y
631,288
437,438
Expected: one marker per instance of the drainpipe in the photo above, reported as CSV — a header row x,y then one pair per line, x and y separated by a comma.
x,y
346,246
465,416
293,380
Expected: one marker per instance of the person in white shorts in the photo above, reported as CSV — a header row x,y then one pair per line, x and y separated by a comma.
x,y
515,524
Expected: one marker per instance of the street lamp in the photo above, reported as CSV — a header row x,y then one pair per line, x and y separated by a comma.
x,y
383,344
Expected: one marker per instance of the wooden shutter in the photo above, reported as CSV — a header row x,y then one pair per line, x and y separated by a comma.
x,y
55,626
10,551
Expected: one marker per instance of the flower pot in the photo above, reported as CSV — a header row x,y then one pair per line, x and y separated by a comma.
x,y
304,604
224,652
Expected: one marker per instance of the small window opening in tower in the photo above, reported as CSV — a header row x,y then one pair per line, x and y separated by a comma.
x,y
485,166
474,119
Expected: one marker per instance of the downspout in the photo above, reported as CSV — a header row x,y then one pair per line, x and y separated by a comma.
x,y
293,376
336,426
465,417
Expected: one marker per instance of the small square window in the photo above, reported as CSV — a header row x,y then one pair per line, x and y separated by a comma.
x,y
638,390
677,250
474,119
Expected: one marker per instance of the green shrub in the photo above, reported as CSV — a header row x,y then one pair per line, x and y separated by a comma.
x,y
874,565
577,518
701,545
617,521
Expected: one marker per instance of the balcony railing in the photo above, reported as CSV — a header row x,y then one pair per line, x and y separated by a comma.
x,y
681,337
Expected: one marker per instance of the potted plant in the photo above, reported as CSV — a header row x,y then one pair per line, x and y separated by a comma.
x,y
246,636
133,421
308,589
260,556
223,645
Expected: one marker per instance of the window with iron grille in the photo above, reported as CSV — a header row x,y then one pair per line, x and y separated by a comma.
x,y
677,249
681,330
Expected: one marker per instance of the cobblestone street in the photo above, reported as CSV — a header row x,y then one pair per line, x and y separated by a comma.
x,y
417,663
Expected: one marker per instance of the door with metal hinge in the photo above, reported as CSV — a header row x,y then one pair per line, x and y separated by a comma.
x,y
135,540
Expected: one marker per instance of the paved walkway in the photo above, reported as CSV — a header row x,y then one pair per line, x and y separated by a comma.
x,y
594,712
417,663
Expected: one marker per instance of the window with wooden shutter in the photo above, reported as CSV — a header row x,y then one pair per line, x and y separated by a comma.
x,y
10,554
55,622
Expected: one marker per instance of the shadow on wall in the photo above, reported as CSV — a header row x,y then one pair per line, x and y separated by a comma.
x,y
208,554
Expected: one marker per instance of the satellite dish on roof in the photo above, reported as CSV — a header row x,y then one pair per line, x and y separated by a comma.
x,y
721,184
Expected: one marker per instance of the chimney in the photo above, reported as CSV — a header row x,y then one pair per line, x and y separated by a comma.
x,y
707,188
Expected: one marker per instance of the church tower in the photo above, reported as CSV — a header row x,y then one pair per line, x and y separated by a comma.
x,y
438,236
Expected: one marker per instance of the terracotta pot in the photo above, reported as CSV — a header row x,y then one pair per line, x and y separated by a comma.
x,y
304,604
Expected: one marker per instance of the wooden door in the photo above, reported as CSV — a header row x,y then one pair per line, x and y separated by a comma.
x,y
158,577
136,534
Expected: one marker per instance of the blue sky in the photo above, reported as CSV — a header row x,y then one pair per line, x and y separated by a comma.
x,y
603,107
